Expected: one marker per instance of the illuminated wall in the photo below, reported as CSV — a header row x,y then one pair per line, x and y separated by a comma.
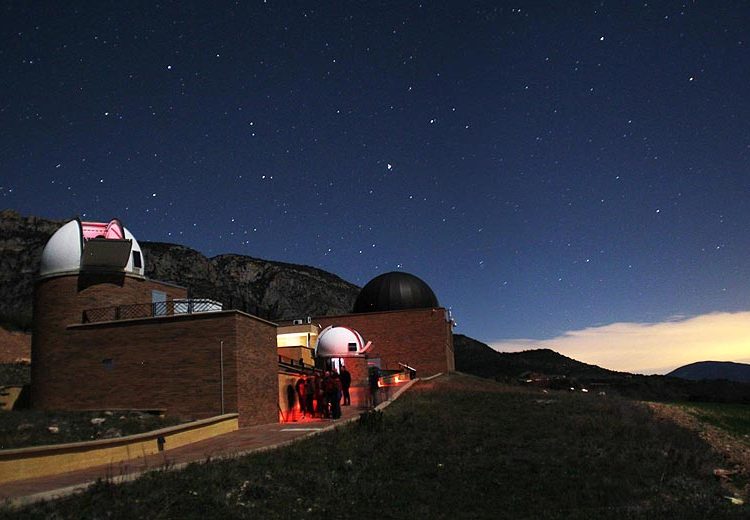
x,y
297,342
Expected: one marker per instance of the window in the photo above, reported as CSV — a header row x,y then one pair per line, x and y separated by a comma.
x,y
108,364
137,259
159,303
352,347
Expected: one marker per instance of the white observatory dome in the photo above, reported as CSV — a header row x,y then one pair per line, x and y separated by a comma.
x,y
340,342
100,246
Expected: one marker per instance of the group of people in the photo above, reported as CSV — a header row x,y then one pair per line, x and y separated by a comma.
x,y
320,395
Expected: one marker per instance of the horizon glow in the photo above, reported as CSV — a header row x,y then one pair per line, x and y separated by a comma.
x,y
650,348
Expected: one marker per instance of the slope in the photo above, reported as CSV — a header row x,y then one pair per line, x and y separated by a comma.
x,y
739,372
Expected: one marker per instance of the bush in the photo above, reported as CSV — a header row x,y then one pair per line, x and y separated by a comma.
x,y
371,421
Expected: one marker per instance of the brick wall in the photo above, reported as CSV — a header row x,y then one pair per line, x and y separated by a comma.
x,y
60,301
169,362
172,363
357,367
257,371
420,338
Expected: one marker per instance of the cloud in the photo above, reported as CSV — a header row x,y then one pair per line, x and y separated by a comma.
x,y
651,347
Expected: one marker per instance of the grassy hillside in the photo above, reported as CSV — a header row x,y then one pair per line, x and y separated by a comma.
x,y
455,447
731,418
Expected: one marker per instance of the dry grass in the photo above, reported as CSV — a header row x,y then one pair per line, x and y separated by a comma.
x,y
726,428
25,428
455,447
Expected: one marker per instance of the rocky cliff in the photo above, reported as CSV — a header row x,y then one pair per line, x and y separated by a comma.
x,y
272,290
21,242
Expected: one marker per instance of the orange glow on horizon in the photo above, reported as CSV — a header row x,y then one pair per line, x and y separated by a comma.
x,y
651,347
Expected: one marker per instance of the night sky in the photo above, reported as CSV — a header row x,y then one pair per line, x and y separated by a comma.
x,y
545,167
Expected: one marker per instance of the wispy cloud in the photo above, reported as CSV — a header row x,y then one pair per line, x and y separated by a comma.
x,y
651,347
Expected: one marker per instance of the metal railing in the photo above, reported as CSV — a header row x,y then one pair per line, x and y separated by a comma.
x,y
298,363
150,310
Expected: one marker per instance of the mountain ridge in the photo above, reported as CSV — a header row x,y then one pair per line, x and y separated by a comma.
x,y
480,359
267,288
545,367
713,370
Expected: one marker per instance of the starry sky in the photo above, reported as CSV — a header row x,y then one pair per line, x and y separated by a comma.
x,y
545,166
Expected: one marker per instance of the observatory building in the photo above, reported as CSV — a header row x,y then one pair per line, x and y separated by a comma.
x,y
107,337
91,246
395,291
399,314
340,342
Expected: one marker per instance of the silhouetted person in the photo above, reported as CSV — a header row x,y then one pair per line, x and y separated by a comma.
x,y
327,386
299,387
320,397
334,395
291,397
310,395
346,382
373,379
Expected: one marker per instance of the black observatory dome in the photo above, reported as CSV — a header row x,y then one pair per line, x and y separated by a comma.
x,y
393,292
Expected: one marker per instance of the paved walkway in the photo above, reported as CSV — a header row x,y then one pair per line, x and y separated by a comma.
x,y
240,442
245,440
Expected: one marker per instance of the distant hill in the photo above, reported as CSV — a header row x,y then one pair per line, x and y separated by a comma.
x,y
477,358
739,372
269,289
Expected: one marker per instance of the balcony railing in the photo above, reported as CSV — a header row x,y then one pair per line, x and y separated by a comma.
x,y
150,310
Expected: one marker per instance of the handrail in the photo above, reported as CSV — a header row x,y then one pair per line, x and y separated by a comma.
x,y
284,360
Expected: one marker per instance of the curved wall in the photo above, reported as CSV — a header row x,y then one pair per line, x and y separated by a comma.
x,y
58,303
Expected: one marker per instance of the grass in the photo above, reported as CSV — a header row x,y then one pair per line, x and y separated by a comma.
x,y
732,418
24,428
455,447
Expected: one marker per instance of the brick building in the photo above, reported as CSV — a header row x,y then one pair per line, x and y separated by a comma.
x,y
419,338
400,315
105,337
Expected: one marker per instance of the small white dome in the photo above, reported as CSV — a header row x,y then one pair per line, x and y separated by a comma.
x,y
340,342
64,252
135,248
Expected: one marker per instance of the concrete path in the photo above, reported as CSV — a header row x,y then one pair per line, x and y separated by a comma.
x,y
233,444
